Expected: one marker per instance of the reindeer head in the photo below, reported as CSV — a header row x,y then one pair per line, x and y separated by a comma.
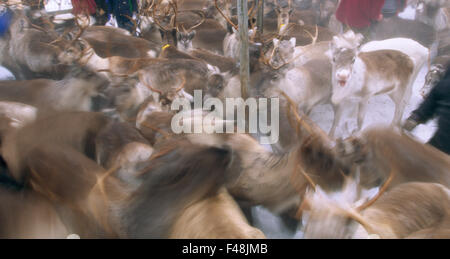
x,y
343,53
283,52
283,13
429,7
335,215
184,40
325,8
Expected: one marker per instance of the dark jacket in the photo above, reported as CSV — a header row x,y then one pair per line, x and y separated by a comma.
x,y
119,8
437,104
123,10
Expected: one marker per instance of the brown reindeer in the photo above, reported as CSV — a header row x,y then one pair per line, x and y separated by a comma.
x,y
32,52
75,92
376,149
109,42
204,216
26,214
408,210
15,115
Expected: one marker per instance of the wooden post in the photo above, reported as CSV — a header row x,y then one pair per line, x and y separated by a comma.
x,y
244,56
260,18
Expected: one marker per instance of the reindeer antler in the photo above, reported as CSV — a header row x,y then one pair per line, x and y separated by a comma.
x,y
297,116
380,192
224,16
81,28
153,89
314,38
203,18
157,21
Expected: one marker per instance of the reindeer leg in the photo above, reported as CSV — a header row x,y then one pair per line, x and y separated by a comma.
x,y
362,108
337,118
400,104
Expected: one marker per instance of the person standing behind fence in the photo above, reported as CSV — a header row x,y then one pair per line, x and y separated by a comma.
x,y
123,10
359,14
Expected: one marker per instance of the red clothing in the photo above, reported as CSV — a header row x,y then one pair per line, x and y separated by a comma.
x,y
83,7
359,13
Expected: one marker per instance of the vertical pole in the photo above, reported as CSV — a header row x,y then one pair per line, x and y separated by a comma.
x,y
260,17
243,37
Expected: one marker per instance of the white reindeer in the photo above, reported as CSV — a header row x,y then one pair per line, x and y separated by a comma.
x,y
380,67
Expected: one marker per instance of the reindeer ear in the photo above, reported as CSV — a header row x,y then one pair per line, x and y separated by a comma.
x,y
192,34
293,41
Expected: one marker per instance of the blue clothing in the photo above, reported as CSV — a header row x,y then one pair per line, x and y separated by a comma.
x,y
5,22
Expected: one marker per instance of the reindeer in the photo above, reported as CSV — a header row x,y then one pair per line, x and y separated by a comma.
x,y
26,214
395,27
75,92
105,203
261,176
378,148
109,41
407,210
32,52
208,34
360,75
434,13
15,115
325,10
285,51
288,13
203,215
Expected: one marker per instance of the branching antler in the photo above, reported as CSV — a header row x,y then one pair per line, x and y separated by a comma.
x,y
225,17
314,38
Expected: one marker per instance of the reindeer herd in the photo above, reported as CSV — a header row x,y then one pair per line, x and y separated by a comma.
x,y
87,145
